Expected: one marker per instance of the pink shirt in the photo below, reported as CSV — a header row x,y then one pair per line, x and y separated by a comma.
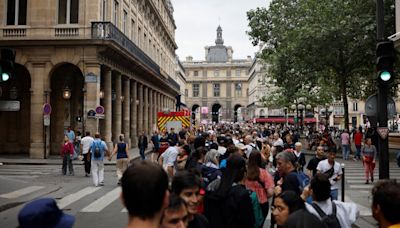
x,y
256,187
345,137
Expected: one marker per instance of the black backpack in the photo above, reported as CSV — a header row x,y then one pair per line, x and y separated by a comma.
x,y
329,221
97,150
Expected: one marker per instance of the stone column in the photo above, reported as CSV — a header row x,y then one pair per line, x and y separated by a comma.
x,y
37,145
134,114
117,117
151,113
146,110
92,94
140,109
126,104
155,109
107,85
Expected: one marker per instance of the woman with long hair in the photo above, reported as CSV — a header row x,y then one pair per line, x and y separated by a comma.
x,y
230,204
368,153
259,181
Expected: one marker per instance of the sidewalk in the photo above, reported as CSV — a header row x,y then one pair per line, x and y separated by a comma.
x,y
56,159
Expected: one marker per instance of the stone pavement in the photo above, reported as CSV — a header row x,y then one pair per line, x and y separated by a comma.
x,y
56,159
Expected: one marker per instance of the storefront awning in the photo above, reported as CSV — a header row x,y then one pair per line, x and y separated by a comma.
x,y
283,120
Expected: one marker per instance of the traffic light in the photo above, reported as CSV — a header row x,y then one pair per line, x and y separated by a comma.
x,y
385,57
7,64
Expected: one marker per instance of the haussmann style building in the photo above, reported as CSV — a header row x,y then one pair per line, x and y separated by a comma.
x,y
74,56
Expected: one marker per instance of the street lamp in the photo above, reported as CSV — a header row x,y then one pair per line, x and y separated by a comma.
x,y
67,93
299,106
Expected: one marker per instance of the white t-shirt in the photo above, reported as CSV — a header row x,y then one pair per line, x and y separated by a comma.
x,y
221,150
86,142
324,166
169,156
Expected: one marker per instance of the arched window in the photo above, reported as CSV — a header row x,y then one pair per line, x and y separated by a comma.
x,y
262,112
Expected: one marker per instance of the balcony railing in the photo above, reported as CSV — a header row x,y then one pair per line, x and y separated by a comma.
x,y
66,32
14,32
108,31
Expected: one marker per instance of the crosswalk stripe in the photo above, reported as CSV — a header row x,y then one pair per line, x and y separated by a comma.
x,y
76,196
103,201
355,186
364,211
21,192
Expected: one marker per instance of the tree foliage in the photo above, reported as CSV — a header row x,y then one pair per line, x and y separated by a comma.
x,y
323,49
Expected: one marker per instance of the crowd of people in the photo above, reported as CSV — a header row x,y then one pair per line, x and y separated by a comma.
x,y
234,176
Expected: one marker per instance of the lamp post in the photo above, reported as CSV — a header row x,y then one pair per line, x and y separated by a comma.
x,y
299,106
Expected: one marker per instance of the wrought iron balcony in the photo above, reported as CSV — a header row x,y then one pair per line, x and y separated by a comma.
x,y
108,31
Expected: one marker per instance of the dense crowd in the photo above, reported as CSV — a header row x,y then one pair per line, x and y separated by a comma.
x,y
235,175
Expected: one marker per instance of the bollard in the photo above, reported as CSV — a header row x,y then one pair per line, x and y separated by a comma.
x,y
342,165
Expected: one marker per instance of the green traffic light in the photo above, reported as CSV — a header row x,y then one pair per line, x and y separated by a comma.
x,y
5,77
385,76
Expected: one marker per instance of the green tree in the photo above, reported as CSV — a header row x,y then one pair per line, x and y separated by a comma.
x,y
324,46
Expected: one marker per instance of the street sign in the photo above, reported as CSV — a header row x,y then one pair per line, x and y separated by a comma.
x,y
100,116
383,132
10,106
46,120
371,106
90,77
99,109
46,109
91,114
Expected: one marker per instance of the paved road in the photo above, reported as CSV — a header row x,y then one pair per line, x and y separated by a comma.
x,y
101,206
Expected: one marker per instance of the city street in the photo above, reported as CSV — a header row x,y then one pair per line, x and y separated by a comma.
x,y
101,207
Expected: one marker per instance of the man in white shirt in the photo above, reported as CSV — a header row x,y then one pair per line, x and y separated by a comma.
x,y
346,213
86,143
333,171
168,158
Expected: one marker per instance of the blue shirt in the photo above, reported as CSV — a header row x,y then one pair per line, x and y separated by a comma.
x,y
103,147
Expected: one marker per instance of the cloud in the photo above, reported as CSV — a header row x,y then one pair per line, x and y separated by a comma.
x,y
197,22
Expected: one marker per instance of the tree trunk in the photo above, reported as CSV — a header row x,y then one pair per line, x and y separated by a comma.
x,y
343,90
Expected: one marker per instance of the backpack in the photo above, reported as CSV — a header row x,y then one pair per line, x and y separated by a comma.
x,y
258,215
303,179
329,221
97,150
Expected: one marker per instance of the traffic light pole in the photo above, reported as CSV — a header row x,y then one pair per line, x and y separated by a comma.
x,y
383,148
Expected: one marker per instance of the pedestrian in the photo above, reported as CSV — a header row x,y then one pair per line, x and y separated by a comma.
x,y
123,158
289,211
67,153
313,162
228,203
42,213
300,157
210,168
341,214
259,181
86,142
142,144
357,137
70,134
155,140
176,214
345,139
77,144
333,171
168,158
386,203
173,137
144,194
186,184
368,153
98,151
286,167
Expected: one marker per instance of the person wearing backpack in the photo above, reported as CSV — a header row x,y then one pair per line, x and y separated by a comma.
x,y
332,213
98,151
333,171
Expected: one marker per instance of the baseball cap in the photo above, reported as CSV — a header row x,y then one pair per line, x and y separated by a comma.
x,y
44,213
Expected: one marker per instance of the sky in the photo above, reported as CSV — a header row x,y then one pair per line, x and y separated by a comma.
x,y
197,22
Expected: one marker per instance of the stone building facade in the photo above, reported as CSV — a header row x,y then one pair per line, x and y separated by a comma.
x,y
217,86
77,55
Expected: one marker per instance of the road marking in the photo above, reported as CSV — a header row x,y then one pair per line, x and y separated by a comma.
x,y
364,211
21,192
355,186
103,201
76,196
